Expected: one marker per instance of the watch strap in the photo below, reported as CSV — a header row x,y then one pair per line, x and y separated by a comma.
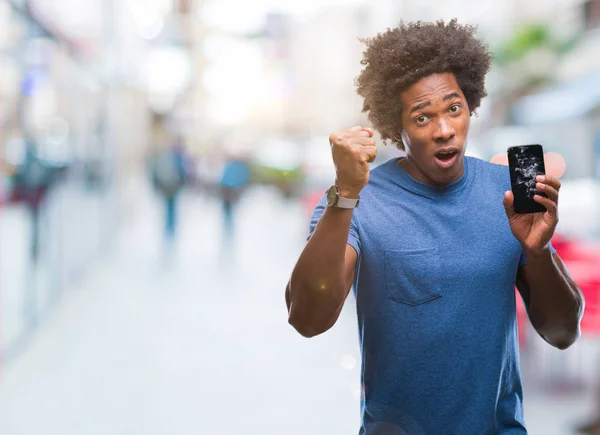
x,y
347,202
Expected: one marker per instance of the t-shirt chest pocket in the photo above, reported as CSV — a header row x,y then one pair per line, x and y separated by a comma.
x,y
413,276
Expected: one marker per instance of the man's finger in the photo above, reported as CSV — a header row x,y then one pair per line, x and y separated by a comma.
x,y
509,203
550,205
370,152
549,180
550,191
369,130
364,141
362,133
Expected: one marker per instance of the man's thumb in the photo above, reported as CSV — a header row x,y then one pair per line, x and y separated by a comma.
x,y
509,203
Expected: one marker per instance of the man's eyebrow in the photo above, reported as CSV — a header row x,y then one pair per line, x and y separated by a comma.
x,y
428,103
420,106
450,96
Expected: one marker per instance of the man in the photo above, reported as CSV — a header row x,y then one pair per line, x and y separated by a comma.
x,y
434,248
234,180
169,177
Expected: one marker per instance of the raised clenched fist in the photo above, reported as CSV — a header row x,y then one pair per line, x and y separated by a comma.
x,y
352,150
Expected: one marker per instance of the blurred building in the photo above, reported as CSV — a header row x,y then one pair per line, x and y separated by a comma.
x,y
325,59
564,112
74,91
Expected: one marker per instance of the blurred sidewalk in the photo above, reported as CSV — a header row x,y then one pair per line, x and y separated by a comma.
x,y
69,241
200,344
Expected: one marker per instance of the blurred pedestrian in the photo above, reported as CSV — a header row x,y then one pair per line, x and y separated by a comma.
x,y
32,180
432,246
234,180
169,177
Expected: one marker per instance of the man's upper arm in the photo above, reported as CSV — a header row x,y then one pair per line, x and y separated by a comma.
x,y
350,258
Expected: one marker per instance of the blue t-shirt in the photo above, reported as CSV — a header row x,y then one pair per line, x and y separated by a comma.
x,y
435,297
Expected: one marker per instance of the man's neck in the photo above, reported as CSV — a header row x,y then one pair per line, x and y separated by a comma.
x,y
411,167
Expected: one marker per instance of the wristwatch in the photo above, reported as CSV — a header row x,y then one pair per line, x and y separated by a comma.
x,y
335,200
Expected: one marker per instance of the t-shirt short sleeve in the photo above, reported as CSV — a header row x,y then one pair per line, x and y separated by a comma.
x,y
523,261
353,239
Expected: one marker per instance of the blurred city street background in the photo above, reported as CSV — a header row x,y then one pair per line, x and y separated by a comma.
x,y
159,162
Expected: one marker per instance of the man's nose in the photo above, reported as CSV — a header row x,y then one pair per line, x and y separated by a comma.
x,y
443,131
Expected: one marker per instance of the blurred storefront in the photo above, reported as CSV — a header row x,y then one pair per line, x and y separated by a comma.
x,y
67,108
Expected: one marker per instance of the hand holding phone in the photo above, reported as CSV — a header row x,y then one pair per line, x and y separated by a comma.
x,y
525,163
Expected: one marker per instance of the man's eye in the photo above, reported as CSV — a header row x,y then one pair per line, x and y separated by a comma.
x,y
421,119
455,108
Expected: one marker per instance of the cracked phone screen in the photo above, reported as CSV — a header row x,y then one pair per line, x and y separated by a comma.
x,y
528,167
526,162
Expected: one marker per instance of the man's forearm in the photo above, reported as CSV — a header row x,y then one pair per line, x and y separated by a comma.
x,y
556,303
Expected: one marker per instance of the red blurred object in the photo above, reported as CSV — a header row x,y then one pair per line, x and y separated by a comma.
x,y
583,262
311,199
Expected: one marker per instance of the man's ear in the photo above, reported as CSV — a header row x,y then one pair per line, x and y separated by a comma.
x,y
554,162
405,139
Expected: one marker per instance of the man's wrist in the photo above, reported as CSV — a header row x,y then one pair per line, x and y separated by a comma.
x,y
536,253
348,192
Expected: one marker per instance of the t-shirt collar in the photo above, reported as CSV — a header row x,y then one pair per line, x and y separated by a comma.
x,y
425,189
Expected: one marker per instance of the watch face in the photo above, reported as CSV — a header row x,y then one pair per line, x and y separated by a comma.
x,y
331,196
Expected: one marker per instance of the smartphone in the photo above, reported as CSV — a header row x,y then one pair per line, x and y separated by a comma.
x,y
525,163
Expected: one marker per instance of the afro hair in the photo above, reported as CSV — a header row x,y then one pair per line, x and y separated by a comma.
x,y
397,58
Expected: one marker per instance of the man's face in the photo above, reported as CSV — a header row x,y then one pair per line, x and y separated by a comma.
x,y
436,120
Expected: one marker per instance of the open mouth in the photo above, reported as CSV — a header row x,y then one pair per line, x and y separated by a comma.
x,y
446,159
